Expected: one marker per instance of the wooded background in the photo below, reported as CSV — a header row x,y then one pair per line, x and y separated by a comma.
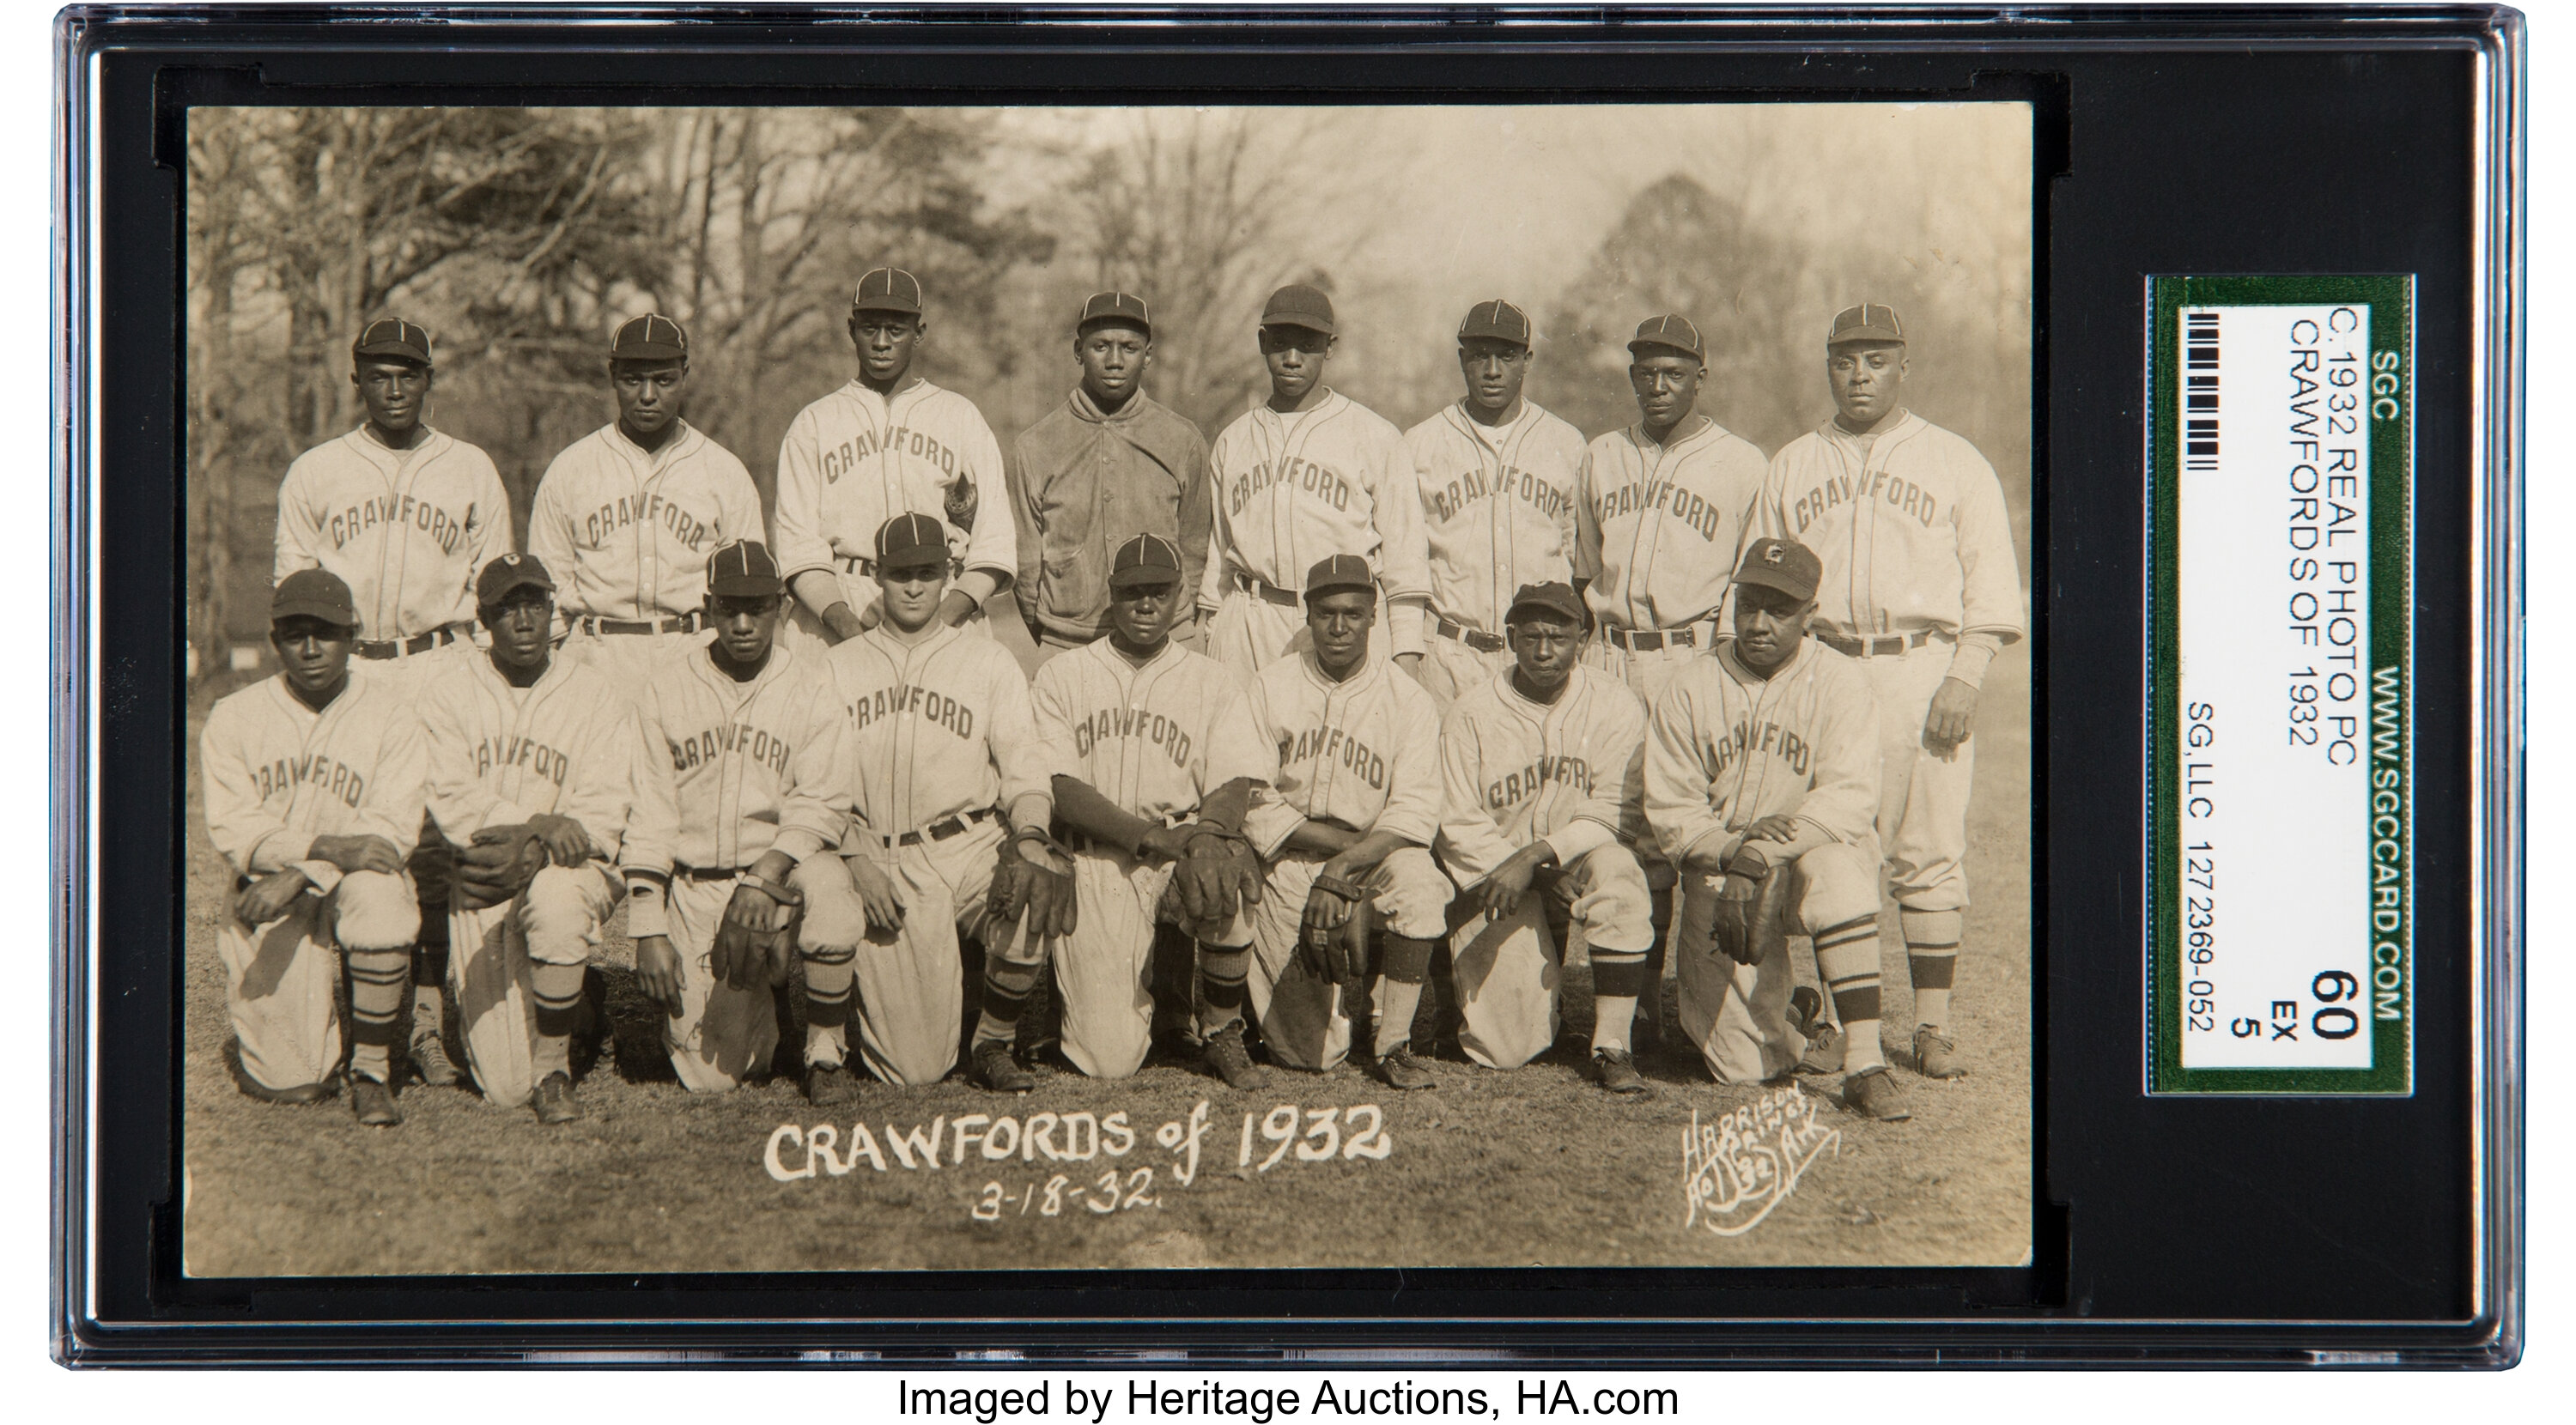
x,y
522,237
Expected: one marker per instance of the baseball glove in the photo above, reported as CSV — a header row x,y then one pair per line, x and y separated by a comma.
x,y
1736,934
1218,874
1334,931
756,944
496,866
1041,889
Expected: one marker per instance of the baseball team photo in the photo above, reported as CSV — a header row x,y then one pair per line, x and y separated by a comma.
x,y
823,690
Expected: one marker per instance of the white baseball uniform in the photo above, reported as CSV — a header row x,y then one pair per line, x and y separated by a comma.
x,y
1365,754
1725,749
725,773
854,460
1497,513
278,774
627,534
1514,772
1154,740
498,755
940,746
1921,584
1657,529
1292,490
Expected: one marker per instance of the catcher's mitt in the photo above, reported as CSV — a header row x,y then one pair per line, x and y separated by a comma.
x,y
756,944
1736,933
1218,874
497,866
1042,892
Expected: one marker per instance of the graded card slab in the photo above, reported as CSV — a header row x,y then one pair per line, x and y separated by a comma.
x,y
2281,439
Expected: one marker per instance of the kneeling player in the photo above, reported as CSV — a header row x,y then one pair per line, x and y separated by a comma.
x,y
528,765
741,775
313,795
1540,764
1762,783
1346,830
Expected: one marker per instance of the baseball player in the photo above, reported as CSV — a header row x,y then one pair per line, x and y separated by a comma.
x,y
405,516
629,514
741,775
1344,829
1660,514
526,745
948,786
888,443
1762,783
1498,476
1156,757
1306,475
1541,769
313,795
1920,586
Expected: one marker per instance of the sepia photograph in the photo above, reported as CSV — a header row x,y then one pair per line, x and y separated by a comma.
x,y
825,690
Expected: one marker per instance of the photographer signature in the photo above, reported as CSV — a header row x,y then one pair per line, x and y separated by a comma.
x,y
1738,1168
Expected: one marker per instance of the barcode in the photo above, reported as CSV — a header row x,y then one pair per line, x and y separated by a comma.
x,y
2200,390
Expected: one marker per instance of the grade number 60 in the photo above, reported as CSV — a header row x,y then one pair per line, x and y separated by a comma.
x,y
2335,1020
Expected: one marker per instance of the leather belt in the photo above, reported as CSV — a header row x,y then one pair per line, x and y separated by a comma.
x,y
1887,647
1476,639
938,830
705,873
405,647
856,564
1266,592
1655,639
685,623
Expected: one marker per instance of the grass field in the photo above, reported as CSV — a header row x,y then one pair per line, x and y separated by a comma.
x,y
1531,1167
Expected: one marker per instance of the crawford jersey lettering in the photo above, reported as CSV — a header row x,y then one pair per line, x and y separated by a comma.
x,y
513,750
899,440
1320,482
1696,513
1333,747
1514,787
932,707
760,745
442,527
1510,483
1137,725
1899,493
1768,737
337,780
685,525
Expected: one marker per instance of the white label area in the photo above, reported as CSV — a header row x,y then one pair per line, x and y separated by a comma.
x,y
2272,891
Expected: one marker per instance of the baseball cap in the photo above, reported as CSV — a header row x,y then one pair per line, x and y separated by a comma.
x,y
888,289
510,571
1298,305
1341,571
911,539
1782,564
1496,320
394,337
1119,308
1557,597
1669,330
1868,322
1146,559
313,593
653,337
743,569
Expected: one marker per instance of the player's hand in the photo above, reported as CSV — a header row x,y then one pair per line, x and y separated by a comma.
x,y
1952,716
358,853
1162,844
1411,663
877,894
567,841
1501,893
268,897
657,972
1739,899
756,941
1778,826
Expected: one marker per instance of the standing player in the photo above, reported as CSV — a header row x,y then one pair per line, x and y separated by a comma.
x,y
888,443
948,783
741,775
1346,831
1156,756
1542,767
313,795
630,513
1498,476
1921,587
1307,475
525,744
1660,513
1108,464
1762,784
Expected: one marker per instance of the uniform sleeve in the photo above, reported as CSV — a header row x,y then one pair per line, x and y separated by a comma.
x,y
1212,579
1615,751
1197,511
1677,772
394,797
1270,819
299,522
602,796
993,543
253,841
1404,553
488,531
737,500
1990,577
1471,841
814,807
1240,747
1413,793
653,828
1842,795
1569,520
1585,552
797,528
462,801
1769,519
1022,755
1023,490
550,527
1051,700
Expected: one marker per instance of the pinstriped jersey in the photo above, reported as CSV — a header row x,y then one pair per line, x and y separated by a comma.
x,y
1657,526
937,728
406,530
854,460
1294,489
1497,508
1515,771
1725,748
730,771
277,774
565,744
1364,753
1155,739
627,532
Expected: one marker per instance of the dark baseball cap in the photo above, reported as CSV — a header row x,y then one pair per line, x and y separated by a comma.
x,y
1146,559
1782,564
1340,571
313,593
1671,330
393,337
1556,597
510,571
652,337
743,569
1298,305
911,539
1496,320
1870,323
888,289
1124,309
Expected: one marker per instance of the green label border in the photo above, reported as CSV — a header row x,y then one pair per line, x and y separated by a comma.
x,y
2391,299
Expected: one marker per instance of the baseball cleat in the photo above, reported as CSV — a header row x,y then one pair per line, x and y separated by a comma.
x,y
1230,1061
296,1097
1825,1044
373,1103
1400,1070
1616,1071
1872,1093
554,1100
830,1085
995,1069
429,1060
1935,1057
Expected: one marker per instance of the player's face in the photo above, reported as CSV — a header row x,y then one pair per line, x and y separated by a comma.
x,y
521,625
1113,359
1296,358
1546,649
648,394
1139,614
745,623
396,392
1340,621
886,341
1667,385
1494,371
912,592
314,653
1768,625
1866,382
